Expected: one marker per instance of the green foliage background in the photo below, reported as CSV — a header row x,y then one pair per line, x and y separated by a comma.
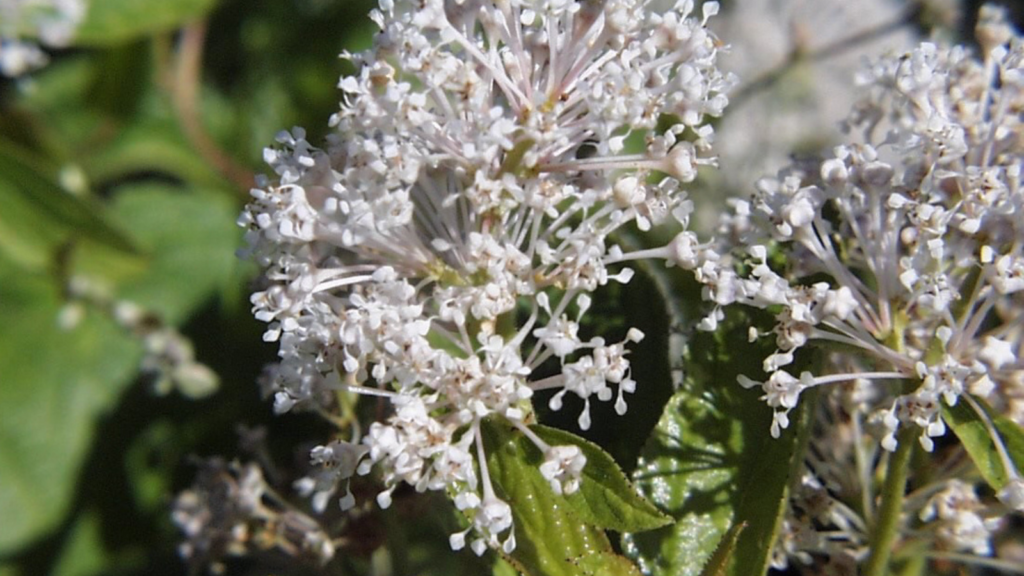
x,y
89,457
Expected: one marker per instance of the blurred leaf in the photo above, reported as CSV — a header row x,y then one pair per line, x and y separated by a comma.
x,y
606,498
120,79
55,383
39,215
973,434
150,145
503,568
712,464
192,236
105,114
115,21
150,463
550,538
60,123
84,552
28,236
270,60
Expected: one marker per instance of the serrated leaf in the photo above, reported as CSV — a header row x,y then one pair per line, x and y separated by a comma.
x,y
115,21
712,464
606,498
550,537
718,564
973,434
606,564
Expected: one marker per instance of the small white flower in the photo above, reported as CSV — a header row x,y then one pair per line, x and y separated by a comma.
x,y
562,468
956,512
997,353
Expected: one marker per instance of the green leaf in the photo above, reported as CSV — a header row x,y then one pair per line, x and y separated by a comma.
x,y
39,215
606,498
115,21
150,145
193,238
120,79
53,118
550,537
84,552
503,568
606,564
55,383
718,564
973,434
712,464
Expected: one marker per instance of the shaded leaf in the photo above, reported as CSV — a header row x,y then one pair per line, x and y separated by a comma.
x,y
973,434
84,552
606,498
115,21
712,464
120,79
62,124
417,539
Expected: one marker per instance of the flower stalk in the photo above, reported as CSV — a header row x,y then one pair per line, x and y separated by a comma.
x,y
886,531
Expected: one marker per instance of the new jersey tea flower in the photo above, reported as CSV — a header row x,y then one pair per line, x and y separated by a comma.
x,y
903,251
443,244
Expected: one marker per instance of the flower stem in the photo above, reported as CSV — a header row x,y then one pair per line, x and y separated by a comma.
x,y
185,95
887,519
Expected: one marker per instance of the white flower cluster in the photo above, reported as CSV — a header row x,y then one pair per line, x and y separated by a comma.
x,y
231,511
443,244
905,248
830,516
168,356
24,24
957,517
